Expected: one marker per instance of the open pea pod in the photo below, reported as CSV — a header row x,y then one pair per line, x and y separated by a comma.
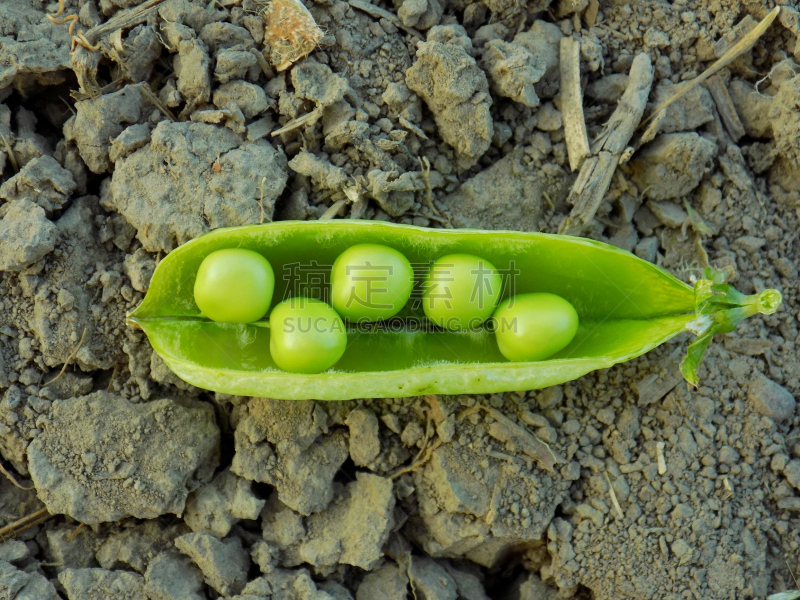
x,y
627,306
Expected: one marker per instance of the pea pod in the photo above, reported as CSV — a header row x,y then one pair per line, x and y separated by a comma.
x,y
626,306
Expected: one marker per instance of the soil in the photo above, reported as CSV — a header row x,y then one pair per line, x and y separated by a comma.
x,y
427,112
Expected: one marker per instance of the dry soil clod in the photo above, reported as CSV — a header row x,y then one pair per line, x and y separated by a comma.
x,y
662,463
290,31
380,13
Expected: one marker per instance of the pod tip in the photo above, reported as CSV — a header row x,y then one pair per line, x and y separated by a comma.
x,y
768,301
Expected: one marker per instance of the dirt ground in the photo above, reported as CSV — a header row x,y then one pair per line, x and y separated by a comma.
x,y
125,482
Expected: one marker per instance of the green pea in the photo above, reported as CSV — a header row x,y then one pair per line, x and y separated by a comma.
x,y
531,327
461,291
370,282
306,335
234,286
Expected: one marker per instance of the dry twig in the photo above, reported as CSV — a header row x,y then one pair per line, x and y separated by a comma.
x,y
614,500
423,457
262,63
113,377
425,168
728,486
575,135
75,533
740,47
11,478
725,108
261,200
597,170
23,524
69,359
155,101
425,451
10,152
123,19
308,118
331,212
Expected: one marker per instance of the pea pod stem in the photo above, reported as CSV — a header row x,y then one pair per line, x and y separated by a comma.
x,y
720,308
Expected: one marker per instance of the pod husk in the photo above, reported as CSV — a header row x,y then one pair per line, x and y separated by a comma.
x,y
627,306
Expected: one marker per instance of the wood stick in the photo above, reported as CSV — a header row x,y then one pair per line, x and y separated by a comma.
x,y
155,101
613,494
331,212
310,117
725,107
595,175
12,479
75,533
741,29
127,18
10,152
262,63
575,135
24,523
